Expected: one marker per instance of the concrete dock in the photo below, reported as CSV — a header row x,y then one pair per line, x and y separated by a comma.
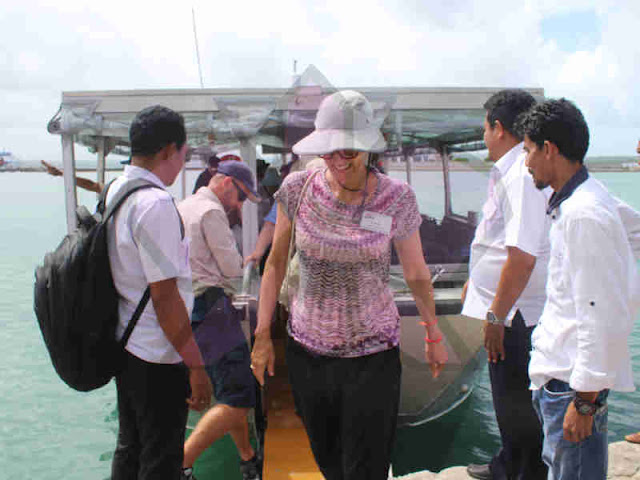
x,y
624,464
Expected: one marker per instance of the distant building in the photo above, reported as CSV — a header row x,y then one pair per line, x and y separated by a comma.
x,y
418,156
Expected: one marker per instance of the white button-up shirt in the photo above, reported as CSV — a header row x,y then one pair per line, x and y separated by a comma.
x,y
514,215
592,294
145,246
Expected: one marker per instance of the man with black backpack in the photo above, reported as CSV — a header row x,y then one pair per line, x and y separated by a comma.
x,y
163,371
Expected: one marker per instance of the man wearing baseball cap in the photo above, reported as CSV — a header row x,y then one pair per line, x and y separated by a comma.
x,y
215,264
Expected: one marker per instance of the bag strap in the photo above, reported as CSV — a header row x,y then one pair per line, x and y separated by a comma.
x,y
121,196
293,223
129,188
136,315
102,198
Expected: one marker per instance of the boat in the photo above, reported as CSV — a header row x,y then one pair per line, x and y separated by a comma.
x,y
435,122
7,160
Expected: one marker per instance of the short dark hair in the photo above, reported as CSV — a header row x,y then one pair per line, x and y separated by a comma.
x,y
154,128
213,161
507,106
261,168
561,123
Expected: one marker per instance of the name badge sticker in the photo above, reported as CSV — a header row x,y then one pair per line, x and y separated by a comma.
x,y
376,222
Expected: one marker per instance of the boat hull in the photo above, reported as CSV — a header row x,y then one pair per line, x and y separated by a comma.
x,y
424,398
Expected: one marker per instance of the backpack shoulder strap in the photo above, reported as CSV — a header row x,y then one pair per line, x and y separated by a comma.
x,y
123,194
135,317
102,199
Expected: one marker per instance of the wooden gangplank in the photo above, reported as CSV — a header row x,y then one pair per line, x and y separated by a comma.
x,y
287,453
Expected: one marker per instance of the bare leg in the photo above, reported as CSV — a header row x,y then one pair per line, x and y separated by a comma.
x,y
218,421
240,435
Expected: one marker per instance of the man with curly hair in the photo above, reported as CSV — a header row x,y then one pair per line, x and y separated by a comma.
x,y
580,346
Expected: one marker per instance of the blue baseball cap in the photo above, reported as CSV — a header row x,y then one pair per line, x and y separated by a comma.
x,y
241,172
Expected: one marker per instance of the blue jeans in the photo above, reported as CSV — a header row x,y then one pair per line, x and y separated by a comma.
x,y
583,460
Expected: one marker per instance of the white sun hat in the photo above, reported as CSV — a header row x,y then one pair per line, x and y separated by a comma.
x,y
344,122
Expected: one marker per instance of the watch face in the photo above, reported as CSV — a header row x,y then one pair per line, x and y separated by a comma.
x,y
584,408
492,319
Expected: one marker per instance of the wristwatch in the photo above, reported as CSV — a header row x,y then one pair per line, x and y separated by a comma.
x,y
492,319
584,407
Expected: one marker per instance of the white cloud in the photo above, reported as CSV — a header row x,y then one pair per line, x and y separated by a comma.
x,y
580,67
48,47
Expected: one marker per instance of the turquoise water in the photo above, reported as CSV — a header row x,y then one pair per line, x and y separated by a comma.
x,y
48,431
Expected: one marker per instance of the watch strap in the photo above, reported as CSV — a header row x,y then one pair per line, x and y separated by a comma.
x,y
493,319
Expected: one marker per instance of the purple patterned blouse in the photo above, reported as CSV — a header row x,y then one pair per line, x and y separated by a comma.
x,y
344,307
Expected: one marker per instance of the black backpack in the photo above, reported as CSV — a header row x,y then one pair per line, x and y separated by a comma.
x,y
76,302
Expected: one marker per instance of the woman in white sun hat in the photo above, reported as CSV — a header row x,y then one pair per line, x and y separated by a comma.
x,y
342,350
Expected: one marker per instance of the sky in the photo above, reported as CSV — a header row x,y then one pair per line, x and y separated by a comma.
x,y
584,50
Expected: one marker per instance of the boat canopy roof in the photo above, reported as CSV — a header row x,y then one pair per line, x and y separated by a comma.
x,y
409,117
221,119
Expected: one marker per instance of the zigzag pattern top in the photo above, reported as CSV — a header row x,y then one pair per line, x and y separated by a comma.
x,y
343,306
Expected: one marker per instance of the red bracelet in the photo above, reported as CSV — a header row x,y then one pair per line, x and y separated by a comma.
x,y
428,340
430,324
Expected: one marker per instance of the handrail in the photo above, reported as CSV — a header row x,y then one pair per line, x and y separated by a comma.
x,y
246,295
246,276
439,271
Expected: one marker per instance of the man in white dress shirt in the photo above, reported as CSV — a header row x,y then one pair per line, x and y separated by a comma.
x,y
580,348
508,267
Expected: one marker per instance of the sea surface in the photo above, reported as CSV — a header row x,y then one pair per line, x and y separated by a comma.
x,y
48,431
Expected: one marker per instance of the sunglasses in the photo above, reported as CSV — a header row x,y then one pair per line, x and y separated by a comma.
x,y
241,195
346,154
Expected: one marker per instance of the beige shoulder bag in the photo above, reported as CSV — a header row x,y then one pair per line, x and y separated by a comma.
x,y
291,280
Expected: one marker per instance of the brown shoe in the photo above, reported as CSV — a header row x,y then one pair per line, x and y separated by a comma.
x,y
633,438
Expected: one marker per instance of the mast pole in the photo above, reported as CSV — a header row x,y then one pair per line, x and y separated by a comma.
x,y
195,36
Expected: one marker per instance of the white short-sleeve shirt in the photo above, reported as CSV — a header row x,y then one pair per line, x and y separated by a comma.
x,y
146,246
514,215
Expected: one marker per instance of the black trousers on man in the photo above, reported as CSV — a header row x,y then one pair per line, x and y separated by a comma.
x,y
152,411
520,457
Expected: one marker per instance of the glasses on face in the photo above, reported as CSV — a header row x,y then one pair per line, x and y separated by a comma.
x,y
346,154
241,195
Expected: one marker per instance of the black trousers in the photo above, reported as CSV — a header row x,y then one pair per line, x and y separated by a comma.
x,y
521,454
349,407
152,412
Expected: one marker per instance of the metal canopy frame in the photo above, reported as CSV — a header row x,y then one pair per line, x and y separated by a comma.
x,y
447,119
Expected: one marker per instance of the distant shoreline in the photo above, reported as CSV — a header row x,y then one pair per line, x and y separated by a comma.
x,y
463,167
453,166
